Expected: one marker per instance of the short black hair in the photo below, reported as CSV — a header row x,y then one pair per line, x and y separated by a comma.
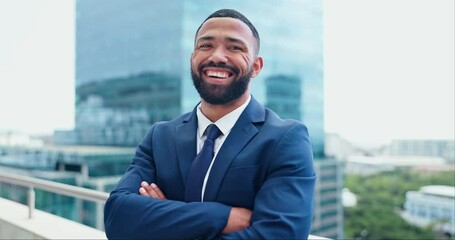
x,y
231,13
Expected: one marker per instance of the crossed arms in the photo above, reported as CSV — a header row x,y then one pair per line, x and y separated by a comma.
x,y
239,218
282,206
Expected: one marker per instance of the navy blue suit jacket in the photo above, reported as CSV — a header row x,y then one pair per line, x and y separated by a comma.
x,y
265,164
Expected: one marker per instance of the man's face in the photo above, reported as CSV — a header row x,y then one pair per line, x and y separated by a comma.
x,y
224,60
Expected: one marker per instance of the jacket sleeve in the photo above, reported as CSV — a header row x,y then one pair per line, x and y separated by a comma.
x,y
284,204
128,215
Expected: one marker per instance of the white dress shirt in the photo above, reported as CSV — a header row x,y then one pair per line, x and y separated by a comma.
x,y
225,124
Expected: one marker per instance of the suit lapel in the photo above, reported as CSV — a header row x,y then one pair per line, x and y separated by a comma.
x,y
242,132
185,142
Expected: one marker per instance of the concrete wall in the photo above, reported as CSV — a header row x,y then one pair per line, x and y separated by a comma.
x,y
15,224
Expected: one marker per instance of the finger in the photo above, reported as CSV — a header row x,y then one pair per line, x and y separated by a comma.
x,y
144,184
154,193
158,191
150,191
143,192
146,190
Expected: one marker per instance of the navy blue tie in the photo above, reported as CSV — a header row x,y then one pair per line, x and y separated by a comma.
x,y
200,166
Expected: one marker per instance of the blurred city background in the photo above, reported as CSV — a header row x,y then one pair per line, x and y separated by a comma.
x,y
82,81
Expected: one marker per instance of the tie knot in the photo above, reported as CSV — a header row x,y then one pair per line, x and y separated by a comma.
x,y
213,132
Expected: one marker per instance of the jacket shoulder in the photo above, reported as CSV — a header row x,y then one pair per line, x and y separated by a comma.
x,y
273,120
174,122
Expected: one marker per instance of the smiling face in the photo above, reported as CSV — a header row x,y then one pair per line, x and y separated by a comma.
x,y
224,60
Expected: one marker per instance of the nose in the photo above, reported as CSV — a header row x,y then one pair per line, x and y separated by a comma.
x,y
218,55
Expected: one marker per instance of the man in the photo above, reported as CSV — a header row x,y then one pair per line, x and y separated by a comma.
x,y
260,178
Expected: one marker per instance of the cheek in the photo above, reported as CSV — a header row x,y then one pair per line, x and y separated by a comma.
x,y
193,63
246,63
195,60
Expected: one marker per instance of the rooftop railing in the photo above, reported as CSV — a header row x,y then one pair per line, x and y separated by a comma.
x,y
78,192
31,183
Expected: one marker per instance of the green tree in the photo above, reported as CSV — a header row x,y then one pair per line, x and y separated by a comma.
x,y
380,198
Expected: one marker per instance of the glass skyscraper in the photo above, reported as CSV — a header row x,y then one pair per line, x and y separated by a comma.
x,y
134,56
133,69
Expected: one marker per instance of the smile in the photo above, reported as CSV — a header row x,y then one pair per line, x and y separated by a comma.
x,y
222,74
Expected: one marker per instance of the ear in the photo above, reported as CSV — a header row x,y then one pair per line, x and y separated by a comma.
x,y
257,66
191,60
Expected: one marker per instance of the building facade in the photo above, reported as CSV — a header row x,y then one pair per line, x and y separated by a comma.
x,y
140,63
434,148
370,165
94,167
432,205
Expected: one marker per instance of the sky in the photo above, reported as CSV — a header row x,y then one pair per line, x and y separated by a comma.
x,y
388,68
36,65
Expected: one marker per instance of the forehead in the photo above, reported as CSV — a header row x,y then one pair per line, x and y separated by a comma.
x,y
226,27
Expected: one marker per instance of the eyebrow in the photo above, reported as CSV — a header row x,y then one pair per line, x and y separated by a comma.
x,y
236,40
229,39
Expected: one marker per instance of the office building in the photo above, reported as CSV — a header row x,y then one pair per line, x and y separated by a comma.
x,y
434,148
133,69
432,205
370,165
94,167
328,212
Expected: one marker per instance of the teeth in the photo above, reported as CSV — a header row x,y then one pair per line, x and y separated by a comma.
x,y
217,74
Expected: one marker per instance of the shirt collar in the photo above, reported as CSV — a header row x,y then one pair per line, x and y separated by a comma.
x,y
225,124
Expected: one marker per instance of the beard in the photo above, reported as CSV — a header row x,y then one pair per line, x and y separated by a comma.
x,y
216,94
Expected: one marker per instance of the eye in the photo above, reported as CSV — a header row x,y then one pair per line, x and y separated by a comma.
x,y
235,48
205,46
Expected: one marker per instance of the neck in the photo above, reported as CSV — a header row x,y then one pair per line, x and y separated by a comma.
x,y
214,112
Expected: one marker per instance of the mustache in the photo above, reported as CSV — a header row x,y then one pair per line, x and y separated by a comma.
x,y
218,65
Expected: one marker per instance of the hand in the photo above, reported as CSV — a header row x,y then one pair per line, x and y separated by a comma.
x,y
151,190
239,218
